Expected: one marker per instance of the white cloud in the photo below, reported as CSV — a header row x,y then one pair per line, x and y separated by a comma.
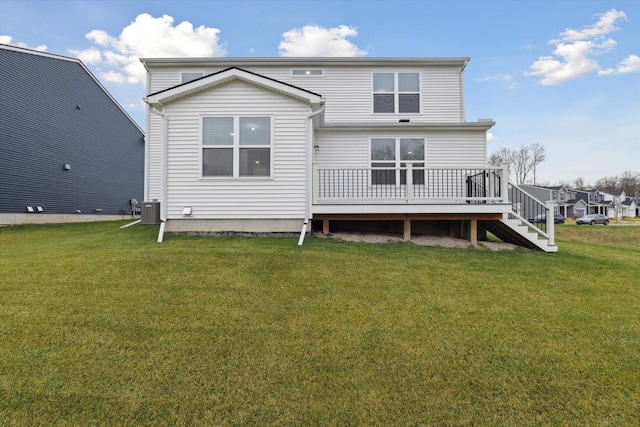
x,y
88,56
630,64
5,39
113,77
604,26
506,80
313,40
491,137
148,37
575,61
100,37
574,52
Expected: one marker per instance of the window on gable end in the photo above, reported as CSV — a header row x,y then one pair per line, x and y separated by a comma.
x,y
236,146
190,76
217,146
254,145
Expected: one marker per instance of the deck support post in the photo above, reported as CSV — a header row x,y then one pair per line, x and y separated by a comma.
x,y
473,231
325,226
407,229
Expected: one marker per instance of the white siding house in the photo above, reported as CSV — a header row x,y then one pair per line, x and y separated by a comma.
x,y
269,144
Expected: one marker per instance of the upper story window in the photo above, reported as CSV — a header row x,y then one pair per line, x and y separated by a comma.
x,y
236,146
189,76
316,72
396,93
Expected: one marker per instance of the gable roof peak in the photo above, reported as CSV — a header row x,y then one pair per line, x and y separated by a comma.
x,y
227,75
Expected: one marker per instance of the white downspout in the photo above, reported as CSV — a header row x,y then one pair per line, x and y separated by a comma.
x,y
147,146
308,168
304,231
163,180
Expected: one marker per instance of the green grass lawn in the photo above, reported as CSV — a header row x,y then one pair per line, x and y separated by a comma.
x,y
103,326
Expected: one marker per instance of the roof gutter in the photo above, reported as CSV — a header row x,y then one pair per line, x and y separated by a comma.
x,y
303,61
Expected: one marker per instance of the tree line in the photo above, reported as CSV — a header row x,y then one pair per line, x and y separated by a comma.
x,y
629,182
524,162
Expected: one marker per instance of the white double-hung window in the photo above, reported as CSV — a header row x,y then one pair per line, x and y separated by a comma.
x,y
389,159
236,146
395,93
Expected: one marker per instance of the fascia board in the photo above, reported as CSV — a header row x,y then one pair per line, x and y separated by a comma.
x,y
215,80
300,61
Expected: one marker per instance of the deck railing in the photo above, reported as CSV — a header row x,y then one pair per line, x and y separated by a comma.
x,y
411,184
408,184
537,215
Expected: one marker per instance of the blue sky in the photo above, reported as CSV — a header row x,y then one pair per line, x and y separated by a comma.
x,y
565,74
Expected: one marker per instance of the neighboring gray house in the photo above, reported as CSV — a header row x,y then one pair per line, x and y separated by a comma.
x,y
68,150
596,202
568,204
280,144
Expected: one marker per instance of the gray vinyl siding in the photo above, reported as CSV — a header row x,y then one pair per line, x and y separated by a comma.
x,y
348,90
542,194
281,196
42,128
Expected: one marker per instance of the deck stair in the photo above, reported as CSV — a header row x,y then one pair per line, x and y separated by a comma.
x,y
512,230
515,227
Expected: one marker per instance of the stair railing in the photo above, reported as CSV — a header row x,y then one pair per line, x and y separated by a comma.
x,y
532,212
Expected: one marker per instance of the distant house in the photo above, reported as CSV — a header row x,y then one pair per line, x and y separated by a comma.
x,y
568,202
629,207
616,199
276,144
635,201
69,151
593,200
576,208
